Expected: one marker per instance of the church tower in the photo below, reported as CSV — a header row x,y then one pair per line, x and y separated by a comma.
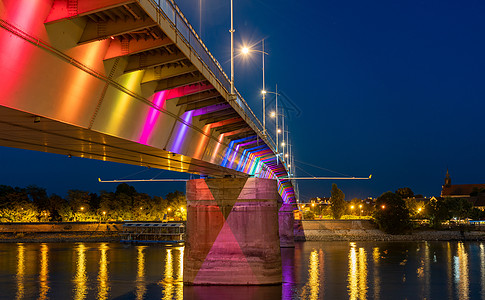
x,y
447,179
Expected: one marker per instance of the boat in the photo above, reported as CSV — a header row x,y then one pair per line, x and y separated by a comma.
x,y
148,233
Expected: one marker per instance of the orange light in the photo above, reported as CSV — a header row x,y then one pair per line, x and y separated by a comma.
x,y
383,206
351,207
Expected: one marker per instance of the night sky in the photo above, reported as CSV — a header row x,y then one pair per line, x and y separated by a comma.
x,y
395,89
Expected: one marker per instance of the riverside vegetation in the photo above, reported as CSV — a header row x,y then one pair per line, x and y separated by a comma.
x,y
33,204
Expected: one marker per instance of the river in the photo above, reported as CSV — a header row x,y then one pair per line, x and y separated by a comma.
x,y
311,270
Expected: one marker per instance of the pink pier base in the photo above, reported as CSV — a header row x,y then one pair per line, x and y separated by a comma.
x,y
286,222
232,232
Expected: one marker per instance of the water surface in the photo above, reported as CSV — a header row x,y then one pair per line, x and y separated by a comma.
x,y
312,270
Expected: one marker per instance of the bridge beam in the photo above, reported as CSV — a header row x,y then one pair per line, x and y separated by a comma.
x,y
95,31
119,47
169,71
179,81
142,61
232,232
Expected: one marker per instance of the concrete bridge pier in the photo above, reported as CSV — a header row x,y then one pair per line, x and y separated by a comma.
x,y
232,232
286,225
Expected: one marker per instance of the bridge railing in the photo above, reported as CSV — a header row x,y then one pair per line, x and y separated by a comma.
x,y
172,12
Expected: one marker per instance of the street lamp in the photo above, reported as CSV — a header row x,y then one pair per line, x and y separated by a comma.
x,y
275,115
245,51
232,48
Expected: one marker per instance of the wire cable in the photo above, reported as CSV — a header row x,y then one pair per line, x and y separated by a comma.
x,y
311,165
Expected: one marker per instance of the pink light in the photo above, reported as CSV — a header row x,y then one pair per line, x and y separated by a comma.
x,y
153,115
15,53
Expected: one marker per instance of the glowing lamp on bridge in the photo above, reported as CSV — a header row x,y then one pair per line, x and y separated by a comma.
x,y
273,114
245,50
383,206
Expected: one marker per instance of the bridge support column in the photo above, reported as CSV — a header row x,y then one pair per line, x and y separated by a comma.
x,y
232,232
286,222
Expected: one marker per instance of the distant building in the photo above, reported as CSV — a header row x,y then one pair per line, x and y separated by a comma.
x,y
474,192
460,190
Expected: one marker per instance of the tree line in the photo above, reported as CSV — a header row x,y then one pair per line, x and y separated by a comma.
x,y
395,211
33,204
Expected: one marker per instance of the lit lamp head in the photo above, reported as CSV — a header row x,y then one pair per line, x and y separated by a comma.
x,y
245,50
263,92
273,114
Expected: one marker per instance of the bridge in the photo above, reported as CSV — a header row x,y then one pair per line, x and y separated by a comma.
x,y
130,81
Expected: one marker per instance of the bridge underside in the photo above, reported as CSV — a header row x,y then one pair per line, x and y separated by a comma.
x,y
26,131
125,81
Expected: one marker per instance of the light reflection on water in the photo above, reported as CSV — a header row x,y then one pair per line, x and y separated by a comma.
x,y
44,272
375,257
482,268
311,289
103,275
461,272
313,270
140,274
80,289
20,271
357,276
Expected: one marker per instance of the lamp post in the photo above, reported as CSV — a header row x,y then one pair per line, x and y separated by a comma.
x,y
232,48
246,50
275,115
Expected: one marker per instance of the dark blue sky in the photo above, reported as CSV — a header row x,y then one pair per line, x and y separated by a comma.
x,y
390,88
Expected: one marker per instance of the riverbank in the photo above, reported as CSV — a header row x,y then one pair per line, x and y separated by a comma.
x,y
60,232
39,237
365,230
307,230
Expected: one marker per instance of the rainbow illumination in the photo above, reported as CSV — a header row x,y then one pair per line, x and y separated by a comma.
x,y
73,95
